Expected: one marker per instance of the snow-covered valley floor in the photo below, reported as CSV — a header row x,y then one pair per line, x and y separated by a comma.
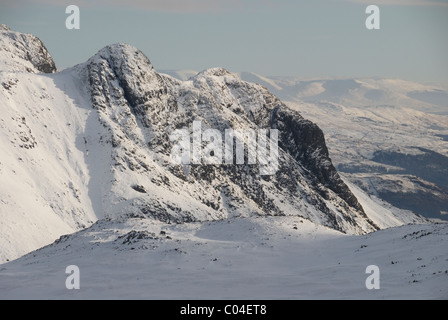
x,y
246,258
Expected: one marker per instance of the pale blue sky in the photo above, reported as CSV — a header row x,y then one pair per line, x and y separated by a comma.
x,y
304,38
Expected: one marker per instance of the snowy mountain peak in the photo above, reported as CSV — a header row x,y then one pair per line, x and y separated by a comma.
x,y
136,78
23,52
122,53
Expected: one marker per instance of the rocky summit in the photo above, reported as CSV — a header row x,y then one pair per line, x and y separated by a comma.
x,y
23,52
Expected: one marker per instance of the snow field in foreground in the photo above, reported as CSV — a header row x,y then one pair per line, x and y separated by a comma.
x,y
250,258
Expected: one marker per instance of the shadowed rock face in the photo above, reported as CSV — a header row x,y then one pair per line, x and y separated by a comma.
x,y
305,141
131,96
22,48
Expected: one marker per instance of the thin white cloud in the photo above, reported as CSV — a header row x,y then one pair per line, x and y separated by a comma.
x,y
438,3
182,5
152,5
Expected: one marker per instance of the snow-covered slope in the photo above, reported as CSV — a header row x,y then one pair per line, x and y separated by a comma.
x,y
382,213
44,179
243,258
45,189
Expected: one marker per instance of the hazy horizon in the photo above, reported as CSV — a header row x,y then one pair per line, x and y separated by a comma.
x,y
309,40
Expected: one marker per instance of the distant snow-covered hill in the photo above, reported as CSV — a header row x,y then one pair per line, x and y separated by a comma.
x,y
358,93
